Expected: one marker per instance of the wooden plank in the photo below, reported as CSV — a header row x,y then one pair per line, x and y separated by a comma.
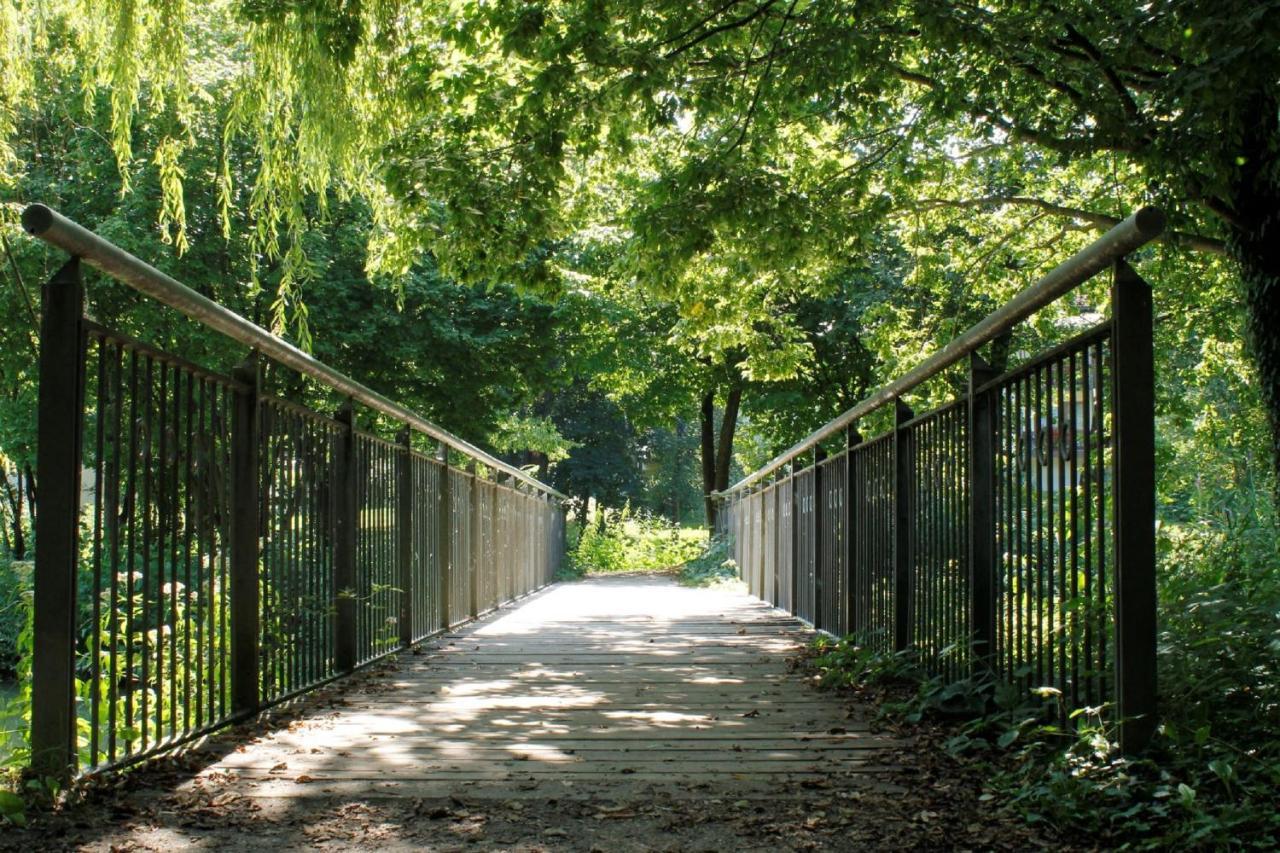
x,y
581,743
515,769
703,697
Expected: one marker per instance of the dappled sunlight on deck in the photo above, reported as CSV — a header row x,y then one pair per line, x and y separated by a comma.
x,y
584,682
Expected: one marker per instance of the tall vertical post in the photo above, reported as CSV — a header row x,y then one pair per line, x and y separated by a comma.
x,y
346,513
851,585
982,513
760,560
1133,401
404,534
477,546
562,521
818,588
246,538
903,534
792,604
499,552
59,424
775,553
444,537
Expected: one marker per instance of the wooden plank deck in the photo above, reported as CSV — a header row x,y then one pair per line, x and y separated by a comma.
x,y
627,680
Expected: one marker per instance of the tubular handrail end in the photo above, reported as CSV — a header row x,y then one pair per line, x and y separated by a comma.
x,y
1150,222
36,219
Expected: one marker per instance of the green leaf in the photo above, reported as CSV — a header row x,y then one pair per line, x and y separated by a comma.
x,y
1186,794
12,808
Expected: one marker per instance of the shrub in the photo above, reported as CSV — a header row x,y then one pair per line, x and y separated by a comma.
x,y
712,566
623,541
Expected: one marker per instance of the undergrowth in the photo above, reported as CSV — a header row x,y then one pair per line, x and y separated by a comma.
x,y
627,541
1208,780
711,567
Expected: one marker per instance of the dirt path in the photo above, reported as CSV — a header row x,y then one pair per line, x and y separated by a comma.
x,y
612,714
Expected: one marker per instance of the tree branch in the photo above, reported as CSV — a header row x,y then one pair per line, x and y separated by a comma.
x,y
720,28
1098,221
687,31
1127,103
1066,145
764,79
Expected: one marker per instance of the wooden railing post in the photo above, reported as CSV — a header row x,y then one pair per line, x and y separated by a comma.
x,y
982,519
404,534
1133,400
903,534
818,588
347,519
246,539
851,586
444,536
59,424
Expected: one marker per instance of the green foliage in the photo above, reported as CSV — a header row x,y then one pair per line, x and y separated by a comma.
x,y
711,567
19,639
623,541
537,434
1209,778
15,594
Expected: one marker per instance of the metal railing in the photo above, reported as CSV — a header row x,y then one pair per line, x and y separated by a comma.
x,y
1009,533
236,549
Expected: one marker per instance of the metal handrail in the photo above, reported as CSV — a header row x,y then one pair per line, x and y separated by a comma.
x,y
1139,229
57,230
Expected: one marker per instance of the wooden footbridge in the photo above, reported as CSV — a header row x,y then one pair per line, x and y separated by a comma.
x,y
630,681
237,550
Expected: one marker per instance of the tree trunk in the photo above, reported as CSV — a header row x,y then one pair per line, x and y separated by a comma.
x,y
998,353
18,549
709,457
30,477
1255,244
724,453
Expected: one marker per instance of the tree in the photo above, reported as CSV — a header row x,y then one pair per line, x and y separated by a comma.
x,y
734,154
785,130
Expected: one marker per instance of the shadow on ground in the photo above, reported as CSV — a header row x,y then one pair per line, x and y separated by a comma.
x,y
612,714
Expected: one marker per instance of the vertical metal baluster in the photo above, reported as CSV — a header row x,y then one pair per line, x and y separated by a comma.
x,y
1022,498
1037,396
199,509
1061,636
162,553
940,469
175,542
1101,520
131,504
188,514
1074,621
937,520
267,515
145,602
1090,426
1009,434
316,443
101,407
113,536
283,588
222,571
